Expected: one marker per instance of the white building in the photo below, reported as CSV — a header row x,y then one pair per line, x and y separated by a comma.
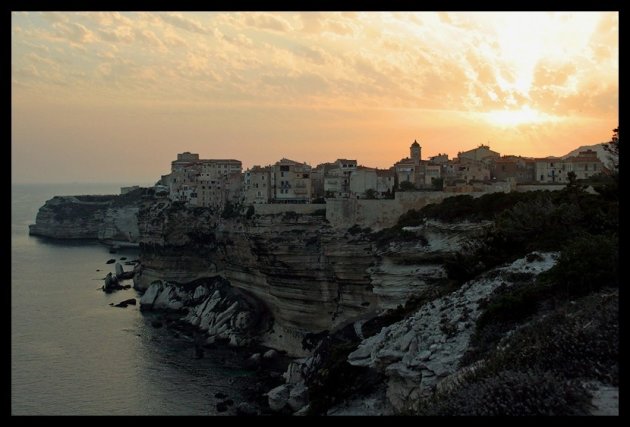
x,y
290,181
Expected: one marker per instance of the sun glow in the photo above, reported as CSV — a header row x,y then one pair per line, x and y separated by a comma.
x,y
525,115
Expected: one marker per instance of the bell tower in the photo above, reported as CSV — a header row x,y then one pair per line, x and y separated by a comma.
x,y
415,152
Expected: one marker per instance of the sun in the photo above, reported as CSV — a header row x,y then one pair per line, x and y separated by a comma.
x,y
523,116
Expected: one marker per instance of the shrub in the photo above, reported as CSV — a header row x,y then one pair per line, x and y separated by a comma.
x,y
514,393
586,264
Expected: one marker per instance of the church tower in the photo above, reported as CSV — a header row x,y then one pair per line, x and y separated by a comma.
x,y
415,152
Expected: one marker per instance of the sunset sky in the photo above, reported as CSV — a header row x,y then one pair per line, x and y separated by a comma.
x,y
113,97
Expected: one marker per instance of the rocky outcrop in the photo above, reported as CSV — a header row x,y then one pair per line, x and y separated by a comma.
x,y
422,351
106,218
220,311
407,268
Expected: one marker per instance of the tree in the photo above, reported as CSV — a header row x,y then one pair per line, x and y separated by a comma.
x,y
612,147
438,183
370,193
407,186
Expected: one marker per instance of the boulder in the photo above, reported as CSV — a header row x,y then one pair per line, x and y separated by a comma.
x,y
298,397
270,354
220,395
246,409
253,361
278,397
110,261
119,269
156,324
125,303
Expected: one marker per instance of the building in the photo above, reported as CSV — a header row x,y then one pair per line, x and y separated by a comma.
x,y
466,171
257,185
483,153
440,159
371,183
556,169
413,169
586,164
291,182
184,160
522,169
204,182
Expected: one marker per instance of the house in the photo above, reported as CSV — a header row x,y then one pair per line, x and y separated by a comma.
x,y
291,182
257,185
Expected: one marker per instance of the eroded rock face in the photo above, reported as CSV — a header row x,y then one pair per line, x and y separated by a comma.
x,y
106,218
212,305
423,350
312,277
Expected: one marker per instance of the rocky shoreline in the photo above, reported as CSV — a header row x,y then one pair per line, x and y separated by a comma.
x,y
353,322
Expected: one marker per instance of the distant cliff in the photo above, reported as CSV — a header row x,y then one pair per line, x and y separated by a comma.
x,y
108,218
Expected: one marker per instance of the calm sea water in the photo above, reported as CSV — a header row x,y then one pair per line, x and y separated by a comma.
x,y
73,354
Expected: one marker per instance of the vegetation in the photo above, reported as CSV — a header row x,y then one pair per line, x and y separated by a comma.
x,y
230,211
407,186
370,193
250,212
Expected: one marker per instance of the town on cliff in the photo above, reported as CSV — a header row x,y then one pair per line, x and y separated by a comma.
x,y
217,182
440,287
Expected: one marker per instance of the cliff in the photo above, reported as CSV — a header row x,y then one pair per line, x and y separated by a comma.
x,y
311,276
106,218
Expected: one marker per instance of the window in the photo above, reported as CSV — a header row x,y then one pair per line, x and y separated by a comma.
x,y
284,168
282,174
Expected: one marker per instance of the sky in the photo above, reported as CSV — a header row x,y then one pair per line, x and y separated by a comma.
x,y
113,97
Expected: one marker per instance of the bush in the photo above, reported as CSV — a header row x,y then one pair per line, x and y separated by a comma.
x,y
407,186
230,211
514,393
250,212
586,264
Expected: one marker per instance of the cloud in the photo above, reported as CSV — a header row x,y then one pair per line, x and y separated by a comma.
x,y
266,21
123,34
178,20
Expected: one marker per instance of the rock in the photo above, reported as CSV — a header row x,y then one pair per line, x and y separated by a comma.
x,y
221,407
304,411
122,258
253,361
293,374
200,292
119,269
98,269
229,402
220,395
246,409
125,303
270,354
278,397
111,283
156,324
298,397
111,261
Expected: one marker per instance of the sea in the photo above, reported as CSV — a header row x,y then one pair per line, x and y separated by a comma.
x,y
74,354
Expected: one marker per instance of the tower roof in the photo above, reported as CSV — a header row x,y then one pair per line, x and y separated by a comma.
x,y
415,144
